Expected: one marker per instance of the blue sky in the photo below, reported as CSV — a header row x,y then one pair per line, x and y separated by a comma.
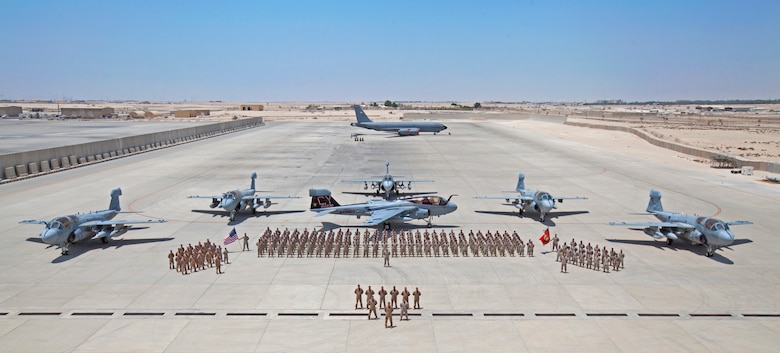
x,y
398,50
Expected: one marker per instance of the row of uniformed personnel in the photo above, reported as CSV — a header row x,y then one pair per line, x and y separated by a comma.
x,y
588,256
193,258
404,243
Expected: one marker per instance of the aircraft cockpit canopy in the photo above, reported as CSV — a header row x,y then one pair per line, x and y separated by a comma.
x,y
59,223
430,200
230,195
543,196
715,225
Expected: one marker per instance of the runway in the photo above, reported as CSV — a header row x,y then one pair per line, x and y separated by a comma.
x,y
120,296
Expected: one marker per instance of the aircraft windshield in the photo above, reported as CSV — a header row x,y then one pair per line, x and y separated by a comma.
x,y
714,224
544,196
59,223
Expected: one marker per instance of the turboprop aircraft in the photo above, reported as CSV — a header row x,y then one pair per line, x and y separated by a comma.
x,y
710,232
236,200
540,201
387,183
403,128
383,211
66,230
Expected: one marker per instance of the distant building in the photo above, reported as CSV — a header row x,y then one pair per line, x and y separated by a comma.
x,y
11,111
88,113
191,113
257,107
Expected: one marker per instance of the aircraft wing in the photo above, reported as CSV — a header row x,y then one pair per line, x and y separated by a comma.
x,y
570,198
376,180
653,224
33,221
256,197
380,216
204,197
737,223
507,197
412,180
112,222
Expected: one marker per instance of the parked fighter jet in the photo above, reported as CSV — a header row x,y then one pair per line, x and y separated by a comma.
x,y
710,232
383,211
237,200
387,183
540,201
403,128
66,230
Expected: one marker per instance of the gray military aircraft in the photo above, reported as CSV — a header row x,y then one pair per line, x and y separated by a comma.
x,y
66,230
236,200
383,211
710,232
540,201
403,128
387,183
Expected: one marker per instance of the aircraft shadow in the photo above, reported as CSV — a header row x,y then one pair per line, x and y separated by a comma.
x,y
535,216
684,246
243,216
77,249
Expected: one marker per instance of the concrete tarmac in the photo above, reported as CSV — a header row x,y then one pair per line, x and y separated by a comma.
x,y
121,296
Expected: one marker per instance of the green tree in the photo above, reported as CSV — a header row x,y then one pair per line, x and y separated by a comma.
x,y
388,103
477,105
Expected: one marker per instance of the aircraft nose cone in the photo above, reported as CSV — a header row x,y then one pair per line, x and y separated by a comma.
x,y
724,238
453,205
50,236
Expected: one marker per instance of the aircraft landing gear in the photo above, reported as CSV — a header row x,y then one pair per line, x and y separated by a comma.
x,y
104,240
253,210
64,248
710,251
541,217
386,226
669,241
233,215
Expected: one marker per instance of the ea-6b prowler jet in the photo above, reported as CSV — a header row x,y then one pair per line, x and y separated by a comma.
x,y
236,200
387,183
540,201
710,232
383,211
66,230
403,128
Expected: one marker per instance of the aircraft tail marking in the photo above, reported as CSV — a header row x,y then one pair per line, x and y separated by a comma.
x,y
361,115
520,182
321,198
254,176
655,202
114,204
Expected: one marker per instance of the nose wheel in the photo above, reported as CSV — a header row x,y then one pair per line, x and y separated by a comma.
x,y
233,215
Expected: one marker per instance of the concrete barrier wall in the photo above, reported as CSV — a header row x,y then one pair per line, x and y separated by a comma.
x,y
74,155
692,151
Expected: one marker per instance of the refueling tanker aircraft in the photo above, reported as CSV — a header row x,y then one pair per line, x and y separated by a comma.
x,y
237,200
387,183
383,211
66,230
710,232
540,201
403,128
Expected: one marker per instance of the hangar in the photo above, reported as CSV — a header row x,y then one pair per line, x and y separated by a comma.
x,y
87,112
11,111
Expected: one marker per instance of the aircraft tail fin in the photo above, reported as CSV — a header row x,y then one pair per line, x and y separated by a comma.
x,y
361,115
321,198
114,204
254,176
520,182
655,202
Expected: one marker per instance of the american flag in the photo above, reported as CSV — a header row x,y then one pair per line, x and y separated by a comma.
x,y
233,236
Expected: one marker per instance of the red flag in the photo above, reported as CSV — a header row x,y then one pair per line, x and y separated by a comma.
x,y
545,238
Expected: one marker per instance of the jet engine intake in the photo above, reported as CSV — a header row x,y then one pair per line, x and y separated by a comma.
x,y
420,213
